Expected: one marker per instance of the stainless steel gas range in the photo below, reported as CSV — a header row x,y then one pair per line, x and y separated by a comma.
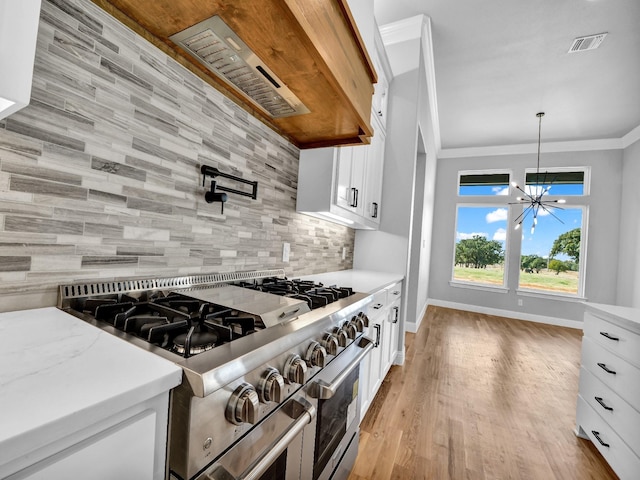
x,y
270,383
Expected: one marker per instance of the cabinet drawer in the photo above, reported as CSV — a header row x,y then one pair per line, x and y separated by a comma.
x,y
621,416
617,454
379,302
395,292
621,341
602,364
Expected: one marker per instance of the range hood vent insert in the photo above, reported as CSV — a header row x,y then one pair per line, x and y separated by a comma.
x,y
219,49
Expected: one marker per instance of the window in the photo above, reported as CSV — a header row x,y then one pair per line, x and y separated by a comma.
x,y
550,258
472,183
481,228
481,234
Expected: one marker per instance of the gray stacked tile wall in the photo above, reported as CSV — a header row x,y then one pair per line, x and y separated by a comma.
x,y
100,174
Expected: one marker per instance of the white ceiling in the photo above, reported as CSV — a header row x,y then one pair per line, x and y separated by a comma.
x,y
499,62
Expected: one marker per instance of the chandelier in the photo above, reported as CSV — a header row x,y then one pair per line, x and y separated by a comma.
x,y
533,199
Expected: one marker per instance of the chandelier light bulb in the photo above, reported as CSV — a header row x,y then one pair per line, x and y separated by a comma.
x,y
561,200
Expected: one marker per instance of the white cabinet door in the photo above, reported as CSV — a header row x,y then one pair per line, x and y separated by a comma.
x,y
350,174
380,96
123,452
344,163
373,184
394,296
376,363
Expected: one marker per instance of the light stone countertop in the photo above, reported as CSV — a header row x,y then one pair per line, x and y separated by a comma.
x,y
363,281
626,317
59,374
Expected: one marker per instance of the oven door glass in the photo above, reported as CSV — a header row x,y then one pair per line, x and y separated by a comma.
x,y
333,418
277,470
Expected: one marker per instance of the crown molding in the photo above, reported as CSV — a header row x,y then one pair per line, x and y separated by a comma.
x,y
418,27
632,137
547,147
403,30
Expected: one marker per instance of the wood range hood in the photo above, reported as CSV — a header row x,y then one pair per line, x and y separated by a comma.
x,y
312,47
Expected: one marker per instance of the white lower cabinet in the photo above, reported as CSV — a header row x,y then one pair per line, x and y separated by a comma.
x,y
394,297
608,410
125,451
384,324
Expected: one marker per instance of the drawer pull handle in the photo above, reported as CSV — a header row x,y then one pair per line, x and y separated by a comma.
x,y
609,336
597,435
606,369
604,405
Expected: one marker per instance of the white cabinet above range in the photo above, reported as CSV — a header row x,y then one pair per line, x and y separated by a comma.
x,y
343,184
18,35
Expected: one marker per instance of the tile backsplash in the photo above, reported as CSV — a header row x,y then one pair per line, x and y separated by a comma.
x,y
100,174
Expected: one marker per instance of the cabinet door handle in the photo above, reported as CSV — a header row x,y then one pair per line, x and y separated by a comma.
x,y
378,334
354,194
597,435
604,405
378,306
357,195
606,369
609,336
375,210
397,314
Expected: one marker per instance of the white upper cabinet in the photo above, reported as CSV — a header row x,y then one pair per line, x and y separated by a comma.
x,y
340,184
19,21
381,89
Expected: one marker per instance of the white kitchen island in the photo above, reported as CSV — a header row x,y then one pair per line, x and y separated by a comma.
x,y
77,402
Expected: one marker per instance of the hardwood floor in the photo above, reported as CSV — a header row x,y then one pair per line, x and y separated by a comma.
x,y
480,397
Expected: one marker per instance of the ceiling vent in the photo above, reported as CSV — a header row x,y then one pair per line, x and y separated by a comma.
x,y
589,42
219,49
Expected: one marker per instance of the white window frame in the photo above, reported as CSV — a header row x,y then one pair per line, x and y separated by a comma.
x,y
572,201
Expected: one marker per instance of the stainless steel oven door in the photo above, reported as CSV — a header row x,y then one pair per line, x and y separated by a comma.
x,y
334,391
272,450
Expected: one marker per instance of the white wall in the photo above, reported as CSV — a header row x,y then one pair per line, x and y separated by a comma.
x,y
602,237
628,291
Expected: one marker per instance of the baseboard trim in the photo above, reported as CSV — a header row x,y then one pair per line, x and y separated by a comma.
x,y
412,327
561,322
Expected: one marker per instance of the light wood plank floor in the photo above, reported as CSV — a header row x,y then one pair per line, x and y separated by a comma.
x,y
480,397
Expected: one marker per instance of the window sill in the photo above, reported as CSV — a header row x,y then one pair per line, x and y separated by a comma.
x,y
551,296
478,286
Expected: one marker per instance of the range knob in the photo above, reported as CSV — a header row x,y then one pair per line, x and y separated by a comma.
x,y
295,370
350,330
316,355
358,323
341,335
330,343
365,320
243,405
271,386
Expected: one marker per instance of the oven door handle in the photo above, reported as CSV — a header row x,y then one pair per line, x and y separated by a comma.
x,y
304,413
324,391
